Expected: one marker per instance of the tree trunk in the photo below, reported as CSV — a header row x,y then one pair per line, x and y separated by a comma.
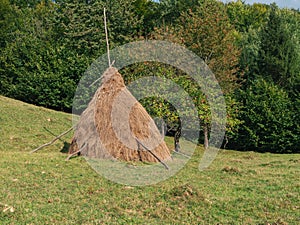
x,y
176,139
205,131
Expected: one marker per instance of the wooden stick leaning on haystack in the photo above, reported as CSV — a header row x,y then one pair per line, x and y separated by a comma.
x,y
54,140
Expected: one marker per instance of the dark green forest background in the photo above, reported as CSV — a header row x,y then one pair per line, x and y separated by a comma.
x,y
254,51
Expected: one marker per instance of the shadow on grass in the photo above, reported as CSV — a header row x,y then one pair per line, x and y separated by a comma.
x,y
65,148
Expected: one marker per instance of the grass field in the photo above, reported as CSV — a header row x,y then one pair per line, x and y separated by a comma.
x,y
43,188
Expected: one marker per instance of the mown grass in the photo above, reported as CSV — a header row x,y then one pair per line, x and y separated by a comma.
x,y
43,188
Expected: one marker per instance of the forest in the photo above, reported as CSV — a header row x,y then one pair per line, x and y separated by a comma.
x,y
253,50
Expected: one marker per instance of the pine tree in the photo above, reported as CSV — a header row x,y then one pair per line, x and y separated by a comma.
x,y
279,56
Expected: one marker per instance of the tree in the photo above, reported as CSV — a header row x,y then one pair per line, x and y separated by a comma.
x,y
279,58
279,55
270,93
268,120
171,10
47,47
206,30
28,3
248,21
148,12
6,20
33,67
244,16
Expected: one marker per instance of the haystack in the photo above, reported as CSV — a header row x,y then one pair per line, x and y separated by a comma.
x,y
115,125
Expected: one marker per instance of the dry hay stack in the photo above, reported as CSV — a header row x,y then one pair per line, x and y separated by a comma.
x,y
98,133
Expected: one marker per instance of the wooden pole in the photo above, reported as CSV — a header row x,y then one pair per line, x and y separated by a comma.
x,y
75,153
106,36
107,45
51,142
155,156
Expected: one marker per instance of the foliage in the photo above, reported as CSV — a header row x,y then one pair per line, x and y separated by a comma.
x,y
279,55
33,67
149,13
46,46
205,30
269,119
248,63
171,10
244,16
270,54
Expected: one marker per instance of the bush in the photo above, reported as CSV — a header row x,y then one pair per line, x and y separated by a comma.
x,y
269,120
51,91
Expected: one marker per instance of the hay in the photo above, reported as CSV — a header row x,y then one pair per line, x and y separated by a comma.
x,y
103,130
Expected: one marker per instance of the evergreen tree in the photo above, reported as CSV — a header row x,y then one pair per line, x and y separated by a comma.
x,y
279,55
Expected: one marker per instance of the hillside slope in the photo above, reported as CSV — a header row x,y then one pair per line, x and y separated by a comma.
x,y
24,126
43,188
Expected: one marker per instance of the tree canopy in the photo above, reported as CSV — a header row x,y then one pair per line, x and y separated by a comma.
x,y
254,51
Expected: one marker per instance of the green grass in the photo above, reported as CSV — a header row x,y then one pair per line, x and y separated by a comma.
x,y
43,188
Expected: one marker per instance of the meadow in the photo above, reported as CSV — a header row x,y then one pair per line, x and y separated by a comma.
x,y
43,188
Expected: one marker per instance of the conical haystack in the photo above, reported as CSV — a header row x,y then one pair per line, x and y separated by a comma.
x,y
115,125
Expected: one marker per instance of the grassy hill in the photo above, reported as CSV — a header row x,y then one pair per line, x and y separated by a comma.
x,y
43,188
